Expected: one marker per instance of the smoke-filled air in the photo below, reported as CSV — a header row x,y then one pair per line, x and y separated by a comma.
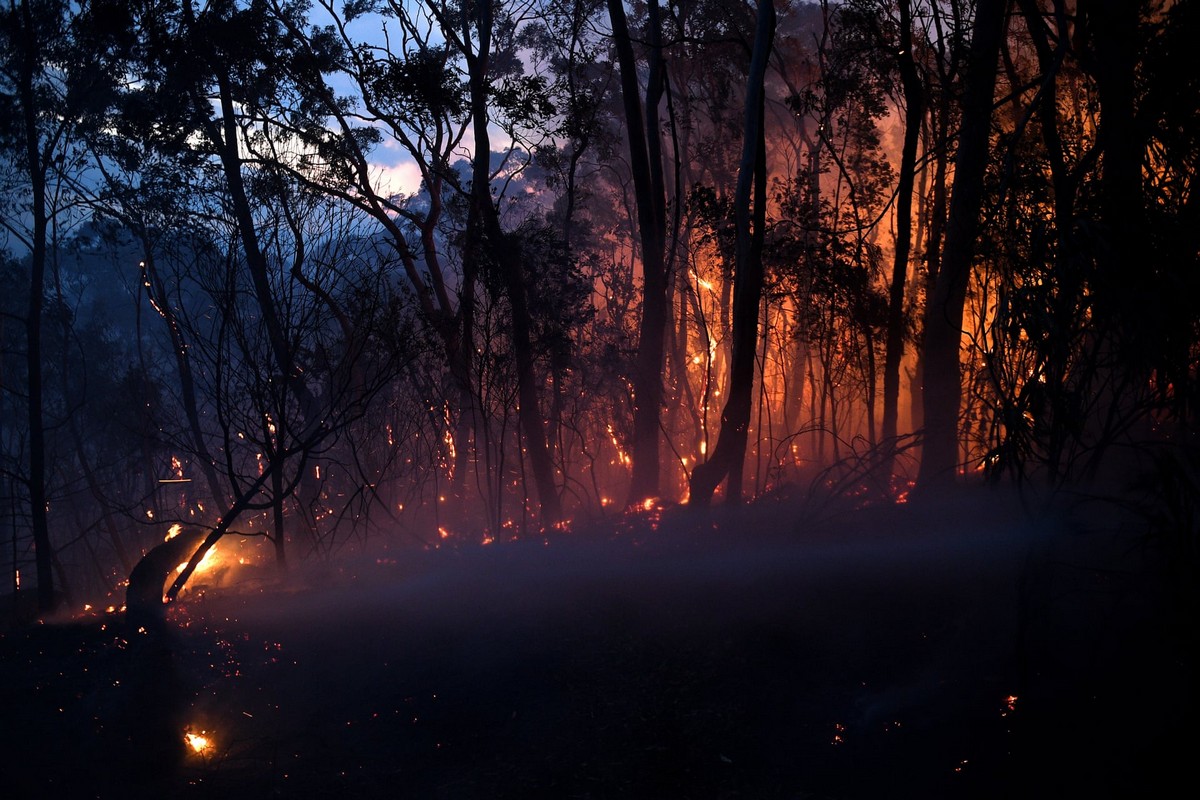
x,y
665,399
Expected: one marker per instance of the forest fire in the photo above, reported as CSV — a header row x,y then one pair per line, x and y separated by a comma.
x,y
652,404
200,743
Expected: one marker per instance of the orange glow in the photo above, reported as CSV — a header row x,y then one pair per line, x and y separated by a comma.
x,y
199,742
208,562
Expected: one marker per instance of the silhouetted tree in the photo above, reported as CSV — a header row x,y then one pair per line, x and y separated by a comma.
x,y
644,139
944,320
750,210
51,80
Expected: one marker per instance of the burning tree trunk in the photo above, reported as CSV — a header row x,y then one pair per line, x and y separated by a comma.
x,y
144,597
729,456
645,159
943,334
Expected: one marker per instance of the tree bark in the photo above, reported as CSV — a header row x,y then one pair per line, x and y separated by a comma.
x,y
728,459
43,550
914,111
484,227
645,158
943,334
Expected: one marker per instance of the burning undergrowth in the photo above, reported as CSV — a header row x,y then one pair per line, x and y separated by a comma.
x,y
908,652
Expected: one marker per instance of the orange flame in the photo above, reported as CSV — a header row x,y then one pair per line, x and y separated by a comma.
x,y
199,742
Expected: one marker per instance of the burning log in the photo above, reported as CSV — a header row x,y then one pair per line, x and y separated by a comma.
x,y
145,603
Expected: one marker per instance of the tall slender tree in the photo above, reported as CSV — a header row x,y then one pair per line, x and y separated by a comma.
x,y
50,82
914,114
645,159
750,211
944,314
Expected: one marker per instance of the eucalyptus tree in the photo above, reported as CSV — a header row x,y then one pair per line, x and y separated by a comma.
x,y
644,139
944,316
435,83
750,201
912,98
201,81
495,85
55,70
1083,349
401,89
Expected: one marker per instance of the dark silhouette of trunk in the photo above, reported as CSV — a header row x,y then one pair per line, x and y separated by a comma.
x,y
936,225
728,459
1113,28
645,158
914,111
36,166
484,230
144,595
1125,293
1064,304
278,539
943,334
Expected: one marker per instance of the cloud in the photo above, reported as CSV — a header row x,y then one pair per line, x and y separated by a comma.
x,y
403,178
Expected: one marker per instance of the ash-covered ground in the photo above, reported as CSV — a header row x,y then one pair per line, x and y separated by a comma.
x,y
956,649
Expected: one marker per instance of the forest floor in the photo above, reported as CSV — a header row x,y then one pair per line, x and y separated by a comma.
x,y
961,650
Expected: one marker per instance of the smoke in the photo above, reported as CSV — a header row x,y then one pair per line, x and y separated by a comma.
x,y
686,569
959,646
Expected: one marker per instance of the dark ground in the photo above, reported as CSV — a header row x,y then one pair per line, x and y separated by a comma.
x,y
893,653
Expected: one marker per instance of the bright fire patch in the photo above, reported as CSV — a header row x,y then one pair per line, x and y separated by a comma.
x,y
199,742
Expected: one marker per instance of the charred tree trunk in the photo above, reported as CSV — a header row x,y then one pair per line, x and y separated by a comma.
x,y
1066,303
484,228
936,225
645,158
728,459
914,111
36,166
943,334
